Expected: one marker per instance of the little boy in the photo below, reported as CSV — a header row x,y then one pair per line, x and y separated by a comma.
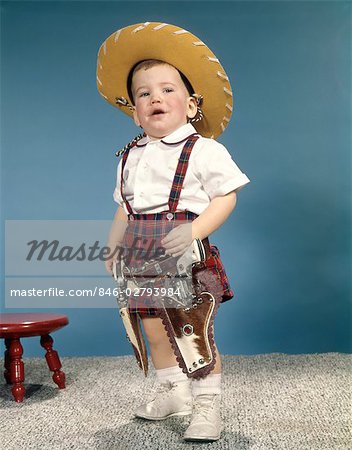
x,y
168,80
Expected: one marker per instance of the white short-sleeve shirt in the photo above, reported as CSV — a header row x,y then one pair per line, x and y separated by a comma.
x,y
151,166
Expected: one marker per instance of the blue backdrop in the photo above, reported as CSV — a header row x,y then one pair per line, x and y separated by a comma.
x,y
287,246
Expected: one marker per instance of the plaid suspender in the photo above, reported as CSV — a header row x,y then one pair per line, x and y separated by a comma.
x,y
124,159
180,173
178,178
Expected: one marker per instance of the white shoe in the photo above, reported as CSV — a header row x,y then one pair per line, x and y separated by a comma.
x,y
171,399
206,421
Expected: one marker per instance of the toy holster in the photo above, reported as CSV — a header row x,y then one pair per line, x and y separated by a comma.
x,y
131,322
189,326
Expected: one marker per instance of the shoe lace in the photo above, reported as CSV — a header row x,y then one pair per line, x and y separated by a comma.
x,y
163,389
203,405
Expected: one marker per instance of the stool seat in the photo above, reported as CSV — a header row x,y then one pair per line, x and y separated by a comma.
x,y
14,326
18,325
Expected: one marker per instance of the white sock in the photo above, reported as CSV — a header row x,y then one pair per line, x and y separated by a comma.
x,y
172,374
211,384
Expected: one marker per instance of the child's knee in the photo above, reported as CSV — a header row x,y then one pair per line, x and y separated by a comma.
x,y
154,331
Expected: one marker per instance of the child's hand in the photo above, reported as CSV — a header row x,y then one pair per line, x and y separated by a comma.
x,y
178,240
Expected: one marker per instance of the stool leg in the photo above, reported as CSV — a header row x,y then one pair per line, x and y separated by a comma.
x,y
16,370
53,360
7,371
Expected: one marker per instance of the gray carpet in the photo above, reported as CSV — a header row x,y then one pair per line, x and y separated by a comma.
x,y
272,401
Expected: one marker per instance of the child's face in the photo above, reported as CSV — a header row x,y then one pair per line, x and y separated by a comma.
x,y
162,102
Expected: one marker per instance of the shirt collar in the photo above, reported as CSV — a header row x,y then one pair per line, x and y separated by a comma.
x,y
180,135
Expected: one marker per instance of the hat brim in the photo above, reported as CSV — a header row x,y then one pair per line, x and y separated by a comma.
x,y
152,40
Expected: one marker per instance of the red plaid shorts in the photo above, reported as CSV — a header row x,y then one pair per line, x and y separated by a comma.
x,y
152,232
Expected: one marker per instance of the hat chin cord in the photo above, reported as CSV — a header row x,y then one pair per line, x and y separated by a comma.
x,y
199,115
124,102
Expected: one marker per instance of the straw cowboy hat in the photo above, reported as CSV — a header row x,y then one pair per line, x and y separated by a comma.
x,y
153,40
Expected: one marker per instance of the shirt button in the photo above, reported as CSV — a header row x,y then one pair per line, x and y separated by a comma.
x,y
169,216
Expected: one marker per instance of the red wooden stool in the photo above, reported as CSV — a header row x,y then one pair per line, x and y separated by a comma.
x,y
15,326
